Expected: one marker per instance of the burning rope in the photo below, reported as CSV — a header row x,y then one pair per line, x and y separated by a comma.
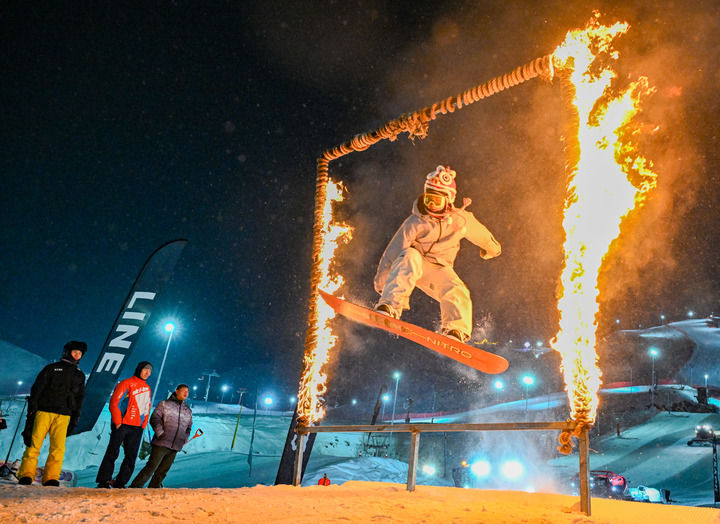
x,y
416,124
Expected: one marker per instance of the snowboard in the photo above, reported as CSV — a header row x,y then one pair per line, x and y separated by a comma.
x,y
471,356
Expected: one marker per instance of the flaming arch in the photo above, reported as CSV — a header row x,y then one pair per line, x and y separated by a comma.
x,y
599,167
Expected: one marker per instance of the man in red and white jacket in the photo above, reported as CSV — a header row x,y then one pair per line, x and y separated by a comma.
x,y
130,412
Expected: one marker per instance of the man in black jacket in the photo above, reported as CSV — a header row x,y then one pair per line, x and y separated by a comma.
x,y
171,421
53,407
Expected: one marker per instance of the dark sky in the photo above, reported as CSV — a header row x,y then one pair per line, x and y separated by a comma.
x,y
125,128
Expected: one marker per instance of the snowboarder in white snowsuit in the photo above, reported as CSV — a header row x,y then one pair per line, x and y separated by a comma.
x,y
422,253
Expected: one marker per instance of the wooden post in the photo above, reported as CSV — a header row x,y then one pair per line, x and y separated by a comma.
x,y
297,472
584,456
412,462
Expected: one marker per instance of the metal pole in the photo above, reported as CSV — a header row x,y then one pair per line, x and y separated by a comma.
x,y
157,382
652,389
17,427
584,456
238,421
716,485
397,380
297,469
412,462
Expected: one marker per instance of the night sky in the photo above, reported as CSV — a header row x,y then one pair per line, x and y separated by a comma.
x,y
123,129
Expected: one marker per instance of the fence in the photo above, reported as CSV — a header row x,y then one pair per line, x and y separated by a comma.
x,y
416,429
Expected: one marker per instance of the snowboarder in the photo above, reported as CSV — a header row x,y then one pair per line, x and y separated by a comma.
x,y
54,407
126,427
171,421
422,253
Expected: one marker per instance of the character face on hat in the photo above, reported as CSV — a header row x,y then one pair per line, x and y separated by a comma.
x,y
442,180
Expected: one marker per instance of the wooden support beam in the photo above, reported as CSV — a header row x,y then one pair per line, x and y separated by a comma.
x,y
412,462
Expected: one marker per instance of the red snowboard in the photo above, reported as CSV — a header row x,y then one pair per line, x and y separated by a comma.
x,y
469,355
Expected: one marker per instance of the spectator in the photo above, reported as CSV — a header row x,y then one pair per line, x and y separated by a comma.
x,y
171,422
54,407
129,410
324,481
3,422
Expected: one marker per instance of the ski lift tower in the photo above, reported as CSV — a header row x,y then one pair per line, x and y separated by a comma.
x,y
210,375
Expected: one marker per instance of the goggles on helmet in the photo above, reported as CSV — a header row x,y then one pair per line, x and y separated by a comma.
x,y
434,201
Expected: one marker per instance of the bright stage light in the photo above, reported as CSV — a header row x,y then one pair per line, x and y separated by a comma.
x,y
481,468
512,469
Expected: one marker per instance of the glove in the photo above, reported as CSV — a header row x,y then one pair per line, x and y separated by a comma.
x,y
27,432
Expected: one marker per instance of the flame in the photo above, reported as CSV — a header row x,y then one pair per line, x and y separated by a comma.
x,y
313,383
600,195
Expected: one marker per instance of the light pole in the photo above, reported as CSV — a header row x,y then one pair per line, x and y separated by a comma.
x,y
528,380
222,397
20,383
385,398
653,353
396,375
170,328
498,388
706,377
210,375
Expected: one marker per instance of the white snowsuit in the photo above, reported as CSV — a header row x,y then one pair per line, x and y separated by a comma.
x,y
422,253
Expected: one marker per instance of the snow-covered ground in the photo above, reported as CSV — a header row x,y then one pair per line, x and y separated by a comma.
x,y
351,502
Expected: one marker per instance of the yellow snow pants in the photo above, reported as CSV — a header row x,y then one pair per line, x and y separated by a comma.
x,y
57,426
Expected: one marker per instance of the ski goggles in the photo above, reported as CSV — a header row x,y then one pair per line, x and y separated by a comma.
x,y
434,201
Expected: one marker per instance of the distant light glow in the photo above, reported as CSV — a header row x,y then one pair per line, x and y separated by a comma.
x,y
528,380
512,469
428,469
396,375
268,401
481,468
354,401
385,398
691,313
169,327
224,388
499,384
653,352
20,382
293,399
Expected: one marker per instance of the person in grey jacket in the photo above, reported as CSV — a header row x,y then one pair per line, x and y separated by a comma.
x,y
422,254
171,421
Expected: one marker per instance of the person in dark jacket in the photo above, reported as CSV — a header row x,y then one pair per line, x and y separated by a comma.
x,y
129,412
53,407
171,421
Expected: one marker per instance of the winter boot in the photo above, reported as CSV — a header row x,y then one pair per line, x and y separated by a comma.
x,y
25,481
386,310
51,482
455,334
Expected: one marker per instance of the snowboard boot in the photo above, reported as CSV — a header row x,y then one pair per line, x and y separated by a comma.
x,y
386,310
108,484
25,481
455,334
51,482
